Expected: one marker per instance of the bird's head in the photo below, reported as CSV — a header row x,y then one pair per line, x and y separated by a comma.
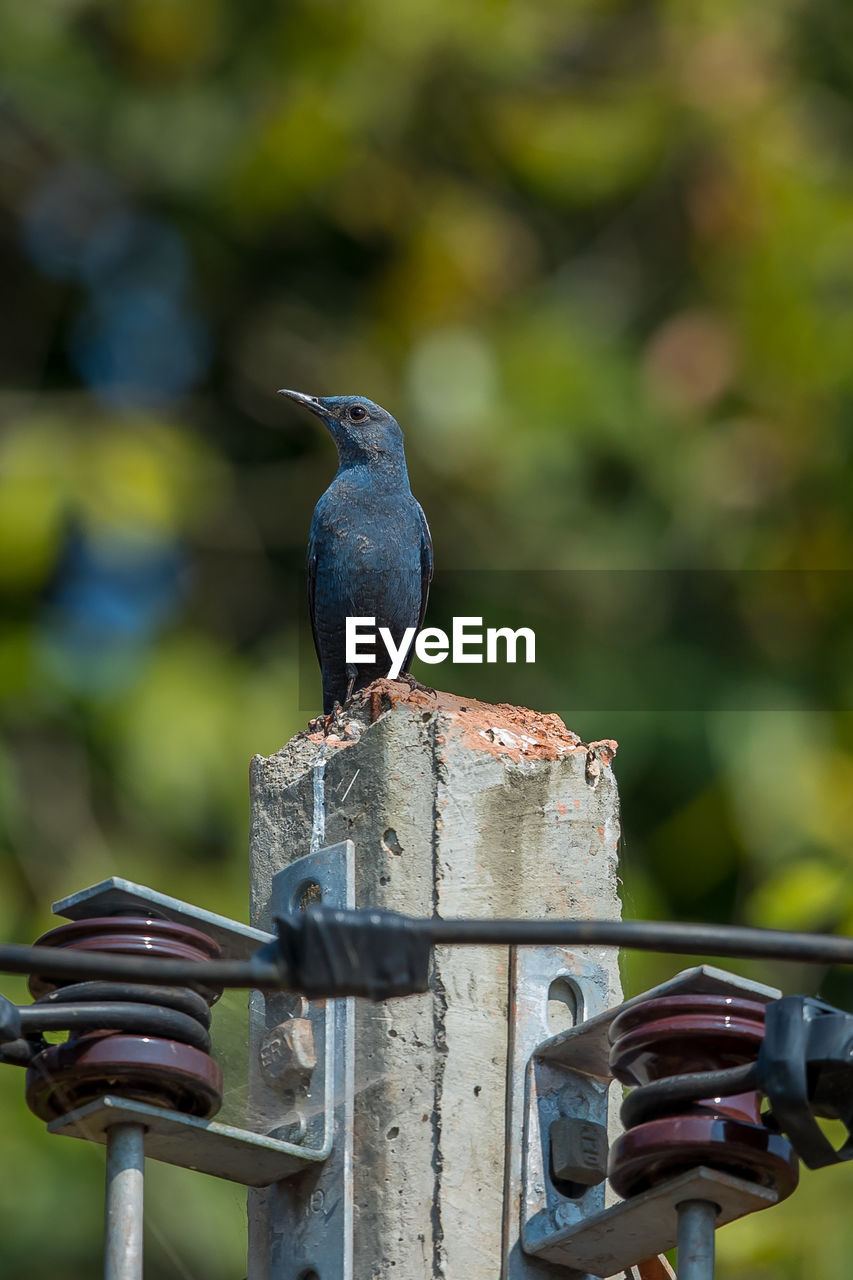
x,y
361,429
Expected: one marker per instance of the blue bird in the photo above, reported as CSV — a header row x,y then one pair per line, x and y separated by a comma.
x,y
369,549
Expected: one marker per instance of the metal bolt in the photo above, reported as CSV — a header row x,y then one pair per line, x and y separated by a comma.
x,y
696,1222
294,1128
578,1151
123,1218
287,1054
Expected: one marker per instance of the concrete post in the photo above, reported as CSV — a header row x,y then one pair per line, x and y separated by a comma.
x,y
463,809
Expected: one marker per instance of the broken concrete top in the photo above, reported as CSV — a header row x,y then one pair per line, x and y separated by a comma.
x,y
514,733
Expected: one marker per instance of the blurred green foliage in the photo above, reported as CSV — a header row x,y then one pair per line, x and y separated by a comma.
x,y
596,255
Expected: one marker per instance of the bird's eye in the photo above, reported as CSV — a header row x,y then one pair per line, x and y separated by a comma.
x,y
357,412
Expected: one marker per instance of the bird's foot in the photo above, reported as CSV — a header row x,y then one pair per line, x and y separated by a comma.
x,y
406,677
330,722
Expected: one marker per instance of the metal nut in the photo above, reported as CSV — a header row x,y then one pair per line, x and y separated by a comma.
x,y
287,1053
578,1151
293,1129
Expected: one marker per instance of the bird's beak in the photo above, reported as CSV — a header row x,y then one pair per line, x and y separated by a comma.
x,y
314,403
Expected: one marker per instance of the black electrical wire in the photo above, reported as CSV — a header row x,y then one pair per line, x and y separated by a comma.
x,y
742,941
78,966
667,1097
106,1015
19,1053
269,970
181,998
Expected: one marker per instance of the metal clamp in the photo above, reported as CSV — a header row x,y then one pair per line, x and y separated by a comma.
x,y
300,1118
559,1109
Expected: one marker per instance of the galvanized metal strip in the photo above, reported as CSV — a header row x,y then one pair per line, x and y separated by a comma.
x,y
221,1150
311,1219
609,1242
585,1047
113,895
533,1209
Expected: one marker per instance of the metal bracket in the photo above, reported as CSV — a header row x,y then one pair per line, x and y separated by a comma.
x,y
229,1151
568,1074
310,1219
537,1093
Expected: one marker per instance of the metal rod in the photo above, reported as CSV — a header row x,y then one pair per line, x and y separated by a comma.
x,y
696,1222
124,1200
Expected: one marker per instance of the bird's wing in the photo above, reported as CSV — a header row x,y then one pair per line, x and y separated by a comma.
x,y
311,575
427,564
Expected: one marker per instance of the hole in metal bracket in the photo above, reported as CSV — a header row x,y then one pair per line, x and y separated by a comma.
x,y
564,1005
571,1190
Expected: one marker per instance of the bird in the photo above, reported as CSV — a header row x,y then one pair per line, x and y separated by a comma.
x,y
369,548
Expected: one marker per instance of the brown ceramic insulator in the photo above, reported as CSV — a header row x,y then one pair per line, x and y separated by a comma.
x,y
145,1068
677,1035
128,936
162,1073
